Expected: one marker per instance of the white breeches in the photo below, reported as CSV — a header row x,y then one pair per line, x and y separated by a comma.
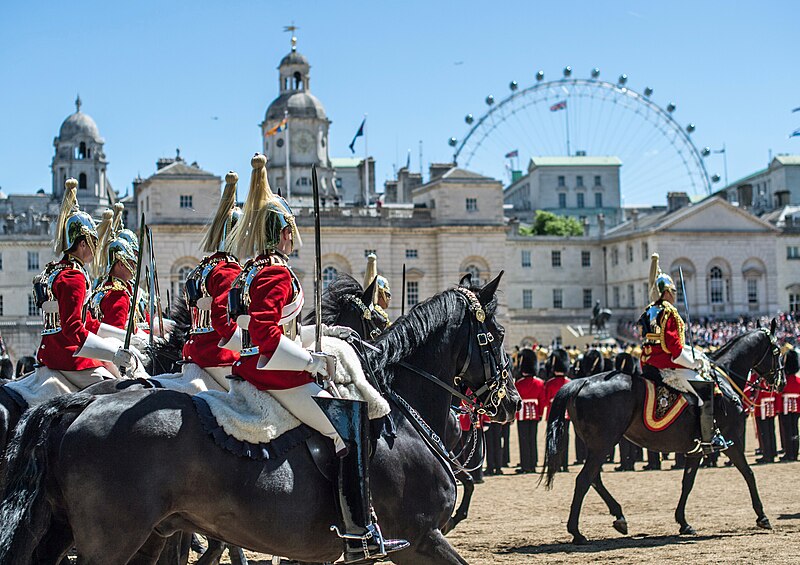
x,y
87,377
299,401
220,374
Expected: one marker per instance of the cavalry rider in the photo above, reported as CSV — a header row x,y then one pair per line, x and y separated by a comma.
x,y
664,348
70,343
266,300
207,287
383,294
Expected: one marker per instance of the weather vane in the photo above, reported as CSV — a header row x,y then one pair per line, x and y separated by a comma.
x,y
291,29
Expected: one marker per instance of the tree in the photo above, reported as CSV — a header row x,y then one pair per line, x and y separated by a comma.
x,y
547,223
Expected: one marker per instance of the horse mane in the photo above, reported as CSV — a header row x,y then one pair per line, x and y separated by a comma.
x,y
715,355
413,330
164,354
334,298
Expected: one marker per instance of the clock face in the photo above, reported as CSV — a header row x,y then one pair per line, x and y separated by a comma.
x,y
305,142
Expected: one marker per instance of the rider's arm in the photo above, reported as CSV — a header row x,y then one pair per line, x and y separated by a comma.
x,y
69,289
270,291
673,339
219,285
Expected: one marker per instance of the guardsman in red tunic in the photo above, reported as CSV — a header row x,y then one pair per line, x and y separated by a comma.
x,y
789,404
766,408
664,348
382,295
70,343
556,370
213,342
266,300
531,390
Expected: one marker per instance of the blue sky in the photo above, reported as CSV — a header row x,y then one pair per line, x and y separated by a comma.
x,y
154,74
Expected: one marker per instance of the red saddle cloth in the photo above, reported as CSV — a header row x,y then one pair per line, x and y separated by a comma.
x,y
662,406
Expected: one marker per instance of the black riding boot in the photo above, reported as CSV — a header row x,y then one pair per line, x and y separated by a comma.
x,y
361,533
711,440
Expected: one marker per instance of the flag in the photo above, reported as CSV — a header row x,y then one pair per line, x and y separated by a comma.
x,y
514,153
408,160
795,133
796,109
358,134
276,129
559,106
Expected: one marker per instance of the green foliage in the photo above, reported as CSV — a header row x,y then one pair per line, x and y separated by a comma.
x,y
547,223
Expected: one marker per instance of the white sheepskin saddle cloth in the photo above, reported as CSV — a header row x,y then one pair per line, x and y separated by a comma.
x,y
193,379
44,384
255,417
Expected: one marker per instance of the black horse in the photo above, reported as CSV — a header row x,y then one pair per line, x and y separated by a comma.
x,y
608,406
145,455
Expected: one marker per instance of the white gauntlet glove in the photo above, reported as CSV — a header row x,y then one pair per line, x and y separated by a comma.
x,y
128,359
318,364
341,332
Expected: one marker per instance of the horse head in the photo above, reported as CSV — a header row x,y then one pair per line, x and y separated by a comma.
x,y
757,351
345,303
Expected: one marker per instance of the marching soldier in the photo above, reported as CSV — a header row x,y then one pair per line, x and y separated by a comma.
x,y
556,370
213,342
70,343
664,348
383,294
267,298
790,406
531,390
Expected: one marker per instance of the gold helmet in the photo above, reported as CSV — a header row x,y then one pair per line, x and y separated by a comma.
x,y
381,283
72,223
659,281
220,232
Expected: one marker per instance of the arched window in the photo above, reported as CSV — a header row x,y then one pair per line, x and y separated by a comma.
x,y
475,271
298,81
716,286
329,273
82,180
183,272
82,150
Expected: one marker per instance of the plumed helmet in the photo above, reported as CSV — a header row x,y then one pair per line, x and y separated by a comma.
x,y
120,251
219,234
791,364
664,283
130,238
383,287
72,223
528,364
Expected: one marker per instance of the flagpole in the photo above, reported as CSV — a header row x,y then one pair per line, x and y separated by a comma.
x,y
288,168
366,164
566,119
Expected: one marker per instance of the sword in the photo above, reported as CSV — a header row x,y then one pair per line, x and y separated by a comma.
x,y
134,299
318,284
154,284
686,307
403,291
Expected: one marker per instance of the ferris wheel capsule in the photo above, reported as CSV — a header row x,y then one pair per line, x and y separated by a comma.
x,y
715,178
513,85
623,78
670,107
648,92
540,76
595,72
567,71
690,128
452,142
706,151
469,119
490,100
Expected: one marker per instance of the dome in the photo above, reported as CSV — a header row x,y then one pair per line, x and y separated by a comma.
x,y
79,124
294,58
299,104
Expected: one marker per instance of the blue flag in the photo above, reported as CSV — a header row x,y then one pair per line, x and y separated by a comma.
x,y
358,134
795,133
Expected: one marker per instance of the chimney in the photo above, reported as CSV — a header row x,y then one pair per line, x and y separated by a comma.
x,y
676,201
438,169
635,218
601,223
586,226
788,221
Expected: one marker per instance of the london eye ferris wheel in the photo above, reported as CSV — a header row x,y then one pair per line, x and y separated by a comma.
x,y
587,116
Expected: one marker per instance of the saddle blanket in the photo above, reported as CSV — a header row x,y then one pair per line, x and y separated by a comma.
x,y
194,379
255,417
662,406
44,384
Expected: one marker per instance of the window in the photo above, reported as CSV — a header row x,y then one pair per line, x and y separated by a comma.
x,y
411,254
562,199
82,180
527,298
558,298
1,304
472,204
597,180
615,293
181,275
631,297
412,293
338,183
615,256
294,254
645,251
587,297
581,199
586,258
598,199
629,251
476,274
793,252
678,285
328,275
368,252
579,180
645,294
186,200
32,309
794,302
33,260
555,258
1,261
562,181
752,291
526,258
715,285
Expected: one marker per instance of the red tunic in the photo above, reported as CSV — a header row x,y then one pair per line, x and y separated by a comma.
x,y
203,348
661,355
56,350
788,403
767,404
551,387
270,290
531,390
116,304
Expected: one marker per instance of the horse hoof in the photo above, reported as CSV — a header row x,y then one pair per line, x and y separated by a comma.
x,y
687,530
763,522
621,525
579,539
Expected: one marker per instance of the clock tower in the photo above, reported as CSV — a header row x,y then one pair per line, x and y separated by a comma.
x,y
295,134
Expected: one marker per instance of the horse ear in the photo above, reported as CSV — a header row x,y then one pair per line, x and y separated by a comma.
x,y
369,292
487,292
466,280
773,326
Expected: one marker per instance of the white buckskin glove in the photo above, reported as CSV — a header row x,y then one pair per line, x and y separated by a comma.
x,y
685,360
340,332
128,359
139,339
318,364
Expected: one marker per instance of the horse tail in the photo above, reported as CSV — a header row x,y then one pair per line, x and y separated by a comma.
x,y
555,441
25,511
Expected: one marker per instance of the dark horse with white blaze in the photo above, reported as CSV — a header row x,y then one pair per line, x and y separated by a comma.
x,y
127,465
608,406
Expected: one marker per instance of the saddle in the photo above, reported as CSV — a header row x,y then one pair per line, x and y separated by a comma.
x,y
662,406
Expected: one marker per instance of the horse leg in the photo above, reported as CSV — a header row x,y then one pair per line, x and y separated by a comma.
x,y
587,476
236,555
55,545
463,508
212,555
614,507
689,474
151,552
736,455
431,549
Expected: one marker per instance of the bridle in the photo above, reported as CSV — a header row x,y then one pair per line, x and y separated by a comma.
x,y
771,381
367,313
